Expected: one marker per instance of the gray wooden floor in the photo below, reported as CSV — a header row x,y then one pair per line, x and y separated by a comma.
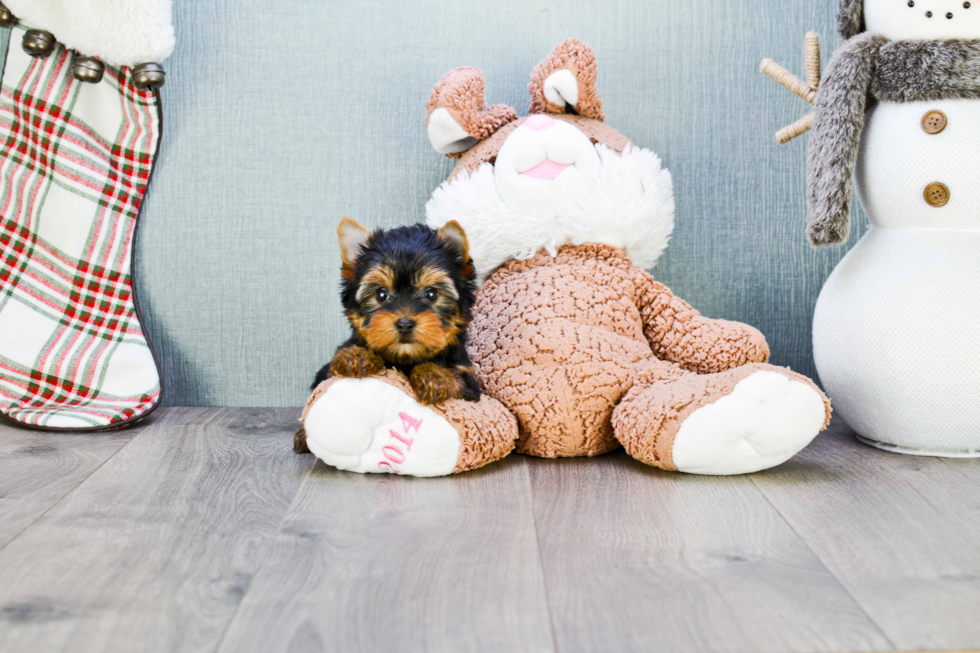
x,y
201,531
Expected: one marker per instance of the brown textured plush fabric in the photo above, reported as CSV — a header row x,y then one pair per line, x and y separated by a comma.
x,y
579,58
461,92
665,395
560,341
487,430
588,353
678,333
556,341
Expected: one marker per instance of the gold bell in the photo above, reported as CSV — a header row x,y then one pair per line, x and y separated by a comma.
x,y
87,69
7,19
38,43
149,76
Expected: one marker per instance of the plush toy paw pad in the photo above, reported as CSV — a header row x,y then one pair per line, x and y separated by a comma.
x,y
764,421
344,431
369,426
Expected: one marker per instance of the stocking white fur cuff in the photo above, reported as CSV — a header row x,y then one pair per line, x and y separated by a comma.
x,y
119,32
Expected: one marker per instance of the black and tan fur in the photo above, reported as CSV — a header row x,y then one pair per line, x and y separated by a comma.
x,y
408,294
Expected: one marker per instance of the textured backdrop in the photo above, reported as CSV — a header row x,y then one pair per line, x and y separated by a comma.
x,y
281,117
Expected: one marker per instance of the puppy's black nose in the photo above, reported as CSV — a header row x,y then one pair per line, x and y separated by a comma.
x,y
404,325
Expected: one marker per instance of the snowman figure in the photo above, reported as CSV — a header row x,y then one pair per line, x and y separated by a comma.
x,y
896,332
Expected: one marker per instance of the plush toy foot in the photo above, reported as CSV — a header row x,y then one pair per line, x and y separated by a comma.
x,y
735,422
376,425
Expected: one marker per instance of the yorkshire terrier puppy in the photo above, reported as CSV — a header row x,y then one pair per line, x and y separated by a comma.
x,y
408,294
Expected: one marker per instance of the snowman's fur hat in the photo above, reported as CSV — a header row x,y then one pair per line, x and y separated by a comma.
x,y
850,18
119,32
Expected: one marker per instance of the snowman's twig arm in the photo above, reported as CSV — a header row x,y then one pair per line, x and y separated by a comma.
x,y
806,90
788,79
798,128
835,137
813,60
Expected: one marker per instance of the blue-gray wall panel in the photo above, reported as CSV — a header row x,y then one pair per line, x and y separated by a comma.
x,y
281,117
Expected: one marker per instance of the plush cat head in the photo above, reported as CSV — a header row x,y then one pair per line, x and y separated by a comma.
x,y
910,20
558,176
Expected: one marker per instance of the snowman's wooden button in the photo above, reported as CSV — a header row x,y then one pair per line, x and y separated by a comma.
x,y
934,122
937,194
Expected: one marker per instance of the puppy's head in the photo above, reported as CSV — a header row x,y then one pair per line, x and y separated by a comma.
x,y
408,292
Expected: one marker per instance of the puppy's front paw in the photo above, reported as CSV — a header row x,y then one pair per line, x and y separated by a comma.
x,y
471,387
356,363
434,384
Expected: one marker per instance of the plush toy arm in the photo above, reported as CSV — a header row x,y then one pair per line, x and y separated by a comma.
x,y
834,139
679,334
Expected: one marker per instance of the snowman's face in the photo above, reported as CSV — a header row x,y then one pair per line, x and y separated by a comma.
x,y
904,20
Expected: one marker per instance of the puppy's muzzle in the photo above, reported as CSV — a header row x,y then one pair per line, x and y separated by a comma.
x,y
405,326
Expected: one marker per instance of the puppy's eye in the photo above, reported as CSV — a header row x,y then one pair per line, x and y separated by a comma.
x,y
382,295
431,294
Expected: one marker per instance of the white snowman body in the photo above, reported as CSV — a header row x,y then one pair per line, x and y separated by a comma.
x,y
896,332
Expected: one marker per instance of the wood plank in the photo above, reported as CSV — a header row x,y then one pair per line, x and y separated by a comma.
x,y
900,532
154,551
969,468
379,563
38,468
636,559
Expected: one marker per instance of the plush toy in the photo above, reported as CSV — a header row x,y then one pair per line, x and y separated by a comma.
x,y
895,329
570,335
80,120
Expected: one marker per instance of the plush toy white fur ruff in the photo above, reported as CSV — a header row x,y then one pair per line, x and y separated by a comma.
x,y
631,205
119,32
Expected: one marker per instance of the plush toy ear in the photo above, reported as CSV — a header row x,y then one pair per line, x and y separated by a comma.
x,y
458,117
565,82
850,18
352,238
453,234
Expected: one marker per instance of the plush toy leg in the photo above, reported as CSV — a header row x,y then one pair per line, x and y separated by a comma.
x,y
564,402
736,422
75,166
376,426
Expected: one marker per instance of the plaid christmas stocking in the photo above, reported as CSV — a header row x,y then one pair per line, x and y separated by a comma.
x,y
74,167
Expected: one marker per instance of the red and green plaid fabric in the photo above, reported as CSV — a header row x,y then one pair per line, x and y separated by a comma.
x,y
74,167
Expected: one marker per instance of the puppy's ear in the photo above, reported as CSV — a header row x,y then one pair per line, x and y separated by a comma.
x,y
352,238
565,82
453,234
458,117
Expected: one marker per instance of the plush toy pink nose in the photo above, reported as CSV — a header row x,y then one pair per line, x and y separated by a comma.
x,y
539,123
